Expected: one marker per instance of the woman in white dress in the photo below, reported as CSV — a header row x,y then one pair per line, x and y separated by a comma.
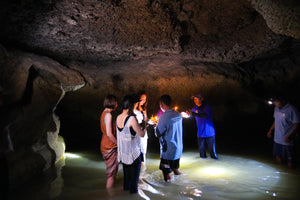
x,y
140,110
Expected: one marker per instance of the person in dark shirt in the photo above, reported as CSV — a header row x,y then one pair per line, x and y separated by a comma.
x,y
205,128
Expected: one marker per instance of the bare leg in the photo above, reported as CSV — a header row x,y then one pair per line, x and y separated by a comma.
x,y
143,166
278,160
177,171
167,177
110,182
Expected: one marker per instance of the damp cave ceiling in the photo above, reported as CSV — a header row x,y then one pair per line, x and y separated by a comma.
x,y
228,31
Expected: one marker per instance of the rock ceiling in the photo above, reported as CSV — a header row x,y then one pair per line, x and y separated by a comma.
x,y
230,31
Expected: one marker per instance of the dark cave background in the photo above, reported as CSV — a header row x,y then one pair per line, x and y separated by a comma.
x,y
237,133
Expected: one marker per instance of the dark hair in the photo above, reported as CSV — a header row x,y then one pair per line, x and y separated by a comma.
x,y
166,99
144,106
110,101
128,102
135,98
279,96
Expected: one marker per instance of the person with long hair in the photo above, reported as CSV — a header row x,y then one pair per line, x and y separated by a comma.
x,y
140,110
109,140
129,134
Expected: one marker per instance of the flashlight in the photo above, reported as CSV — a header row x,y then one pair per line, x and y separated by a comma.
x,y
270,101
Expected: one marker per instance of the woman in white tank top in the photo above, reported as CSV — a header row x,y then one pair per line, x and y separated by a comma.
x,y
129,134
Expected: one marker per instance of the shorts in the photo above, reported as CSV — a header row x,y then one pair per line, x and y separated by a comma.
x,y
167,166
285,152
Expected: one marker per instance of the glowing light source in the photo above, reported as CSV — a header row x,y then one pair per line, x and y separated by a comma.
x,y
153,120
72,155
185,115
176,108
270,101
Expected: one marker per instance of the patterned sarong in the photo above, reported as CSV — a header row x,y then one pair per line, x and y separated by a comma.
x,y
111,161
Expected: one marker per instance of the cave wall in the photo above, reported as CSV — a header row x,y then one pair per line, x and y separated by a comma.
x,y
31,87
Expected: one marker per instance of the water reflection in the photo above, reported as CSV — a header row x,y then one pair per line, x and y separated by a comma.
x,y
82,176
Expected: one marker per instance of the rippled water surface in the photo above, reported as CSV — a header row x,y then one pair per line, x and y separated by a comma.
x,y
81,175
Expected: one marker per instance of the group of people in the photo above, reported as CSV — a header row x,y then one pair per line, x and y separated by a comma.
x,y
124,139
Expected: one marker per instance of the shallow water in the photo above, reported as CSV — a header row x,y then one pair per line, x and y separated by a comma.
x,y
81,175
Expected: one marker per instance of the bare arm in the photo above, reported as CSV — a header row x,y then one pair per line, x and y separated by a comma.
x,y
201,115
269,134
109,128
137,128
293,131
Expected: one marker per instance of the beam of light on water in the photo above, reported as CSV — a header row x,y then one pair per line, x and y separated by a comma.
x,y
83,160
227,178
213,171
83,176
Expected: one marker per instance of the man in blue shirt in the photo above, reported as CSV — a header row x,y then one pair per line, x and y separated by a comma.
x,y
169,132
285,125
205,128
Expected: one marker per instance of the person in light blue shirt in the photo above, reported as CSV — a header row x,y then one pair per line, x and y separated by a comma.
x,y
286,122
169,132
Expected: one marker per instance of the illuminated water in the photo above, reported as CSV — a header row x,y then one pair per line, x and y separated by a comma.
x,y
82,176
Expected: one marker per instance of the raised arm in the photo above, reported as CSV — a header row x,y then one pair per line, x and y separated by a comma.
x,y
201,115
137,128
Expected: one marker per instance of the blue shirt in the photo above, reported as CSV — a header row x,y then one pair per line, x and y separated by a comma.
x,y
169,131
204,125
285,118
